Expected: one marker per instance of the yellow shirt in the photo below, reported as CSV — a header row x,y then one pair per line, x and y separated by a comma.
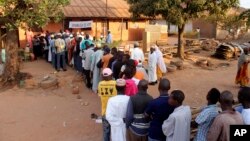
x,y
106,89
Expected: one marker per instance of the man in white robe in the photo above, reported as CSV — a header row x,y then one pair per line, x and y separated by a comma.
x,y
116,112
177,126
152,63
137,53
96,57
161,66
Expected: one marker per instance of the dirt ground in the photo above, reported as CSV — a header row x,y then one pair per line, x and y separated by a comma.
x,y
57,115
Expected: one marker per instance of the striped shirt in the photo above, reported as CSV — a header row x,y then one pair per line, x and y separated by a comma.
x,y
135,118
204,120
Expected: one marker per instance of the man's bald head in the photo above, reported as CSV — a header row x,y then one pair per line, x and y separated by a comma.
x,y
143,85
164,85
226,98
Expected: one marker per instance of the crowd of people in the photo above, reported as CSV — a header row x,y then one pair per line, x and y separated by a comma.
x,y
121,81
63,48
90,56
141,118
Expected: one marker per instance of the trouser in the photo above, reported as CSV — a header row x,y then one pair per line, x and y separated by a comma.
x,y
54,60
46,54
35,51
106,129
66,58
133,137
61,60
88,78
70,56
78,62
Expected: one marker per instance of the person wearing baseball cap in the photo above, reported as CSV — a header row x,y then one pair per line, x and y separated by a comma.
x,y
116,112
106,90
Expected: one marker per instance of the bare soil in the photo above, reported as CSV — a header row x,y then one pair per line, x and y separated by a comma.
x,y
58,115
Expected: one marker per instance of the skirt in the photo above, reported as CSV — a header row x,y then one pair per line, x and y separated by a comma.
x,y
242,75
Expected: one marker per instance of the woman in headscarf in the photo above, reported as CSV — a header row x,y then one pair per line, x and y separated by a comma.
x,y
242,74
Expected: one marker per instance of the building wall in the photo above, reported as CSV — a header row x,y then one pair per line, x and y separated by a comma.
x,y
118,29
22,37
207,30
174,28
188,28
53,27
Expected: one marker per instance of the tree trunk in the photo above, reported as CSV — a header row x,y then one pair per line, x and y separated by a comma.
x,y
12,64
180,52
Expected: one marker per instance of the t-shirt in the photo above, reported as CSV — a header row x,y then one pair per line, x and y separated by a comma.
x,y
139,75
106,89
87,54
246,116
219,130
83,44
159,110
105,60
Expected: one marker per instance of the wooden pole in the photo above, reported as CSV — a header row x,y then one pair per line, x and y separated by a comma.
x,y
107,16
121,29
96,29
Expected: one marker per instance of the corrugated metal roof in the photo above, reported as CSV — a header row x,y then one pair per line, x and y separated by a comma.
x,y
97,8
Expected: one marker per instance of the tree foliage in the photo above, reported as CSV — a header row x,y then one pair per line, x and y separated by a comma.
x,y
179,12
32,12
230,22
246,16
24,13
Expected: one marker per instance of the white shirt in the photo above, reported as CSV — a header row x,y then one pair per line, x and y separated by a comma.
x,y
87,57
177,126
246,116
115,113
137,54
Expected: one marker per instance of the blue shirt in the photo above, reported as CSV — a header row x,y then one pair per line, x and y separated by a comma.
x,y
159,110
52,45
109,39
204,121
239,108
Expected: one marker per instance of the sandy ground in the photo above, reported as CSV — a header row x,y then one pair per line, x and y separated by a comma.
x,y
57,115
